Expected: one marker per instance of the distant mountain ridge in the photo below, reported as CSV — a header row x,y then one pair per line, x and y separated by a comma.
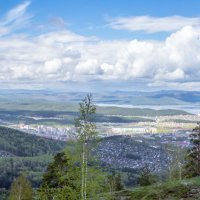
x,y
187,96
163,97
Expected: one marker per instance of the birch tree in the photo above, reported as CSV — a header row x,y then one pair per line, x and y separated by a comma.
x,y
21,189
86,133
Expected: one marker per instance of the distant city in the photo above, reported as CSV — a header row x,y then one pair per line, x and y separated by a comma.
x,y
160,124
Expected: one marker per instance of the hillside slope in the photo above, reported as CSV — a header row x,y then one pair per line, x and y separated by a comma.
x,y
188,189
24,153
19,143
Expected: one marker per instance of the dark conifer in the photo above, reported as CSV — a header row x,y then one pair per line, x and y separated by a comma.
x,y
193,157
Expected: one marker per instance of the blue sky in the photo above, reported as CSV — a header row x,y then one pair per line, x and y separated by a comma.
x,y
88,17
131,45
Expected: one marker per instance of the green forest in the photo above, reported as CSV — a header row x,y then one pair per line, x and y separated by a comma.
x,y
28,153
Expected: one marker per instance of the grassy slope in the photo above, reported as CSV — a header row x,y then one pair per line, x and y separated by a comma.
x,y
172,190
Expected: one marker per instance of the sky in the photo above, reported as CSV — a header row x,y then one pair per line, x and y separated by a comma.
x,y
100,45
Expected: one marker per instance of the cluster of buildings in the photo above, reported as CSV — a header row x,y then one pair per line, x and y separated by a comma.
x,y
136,152
134,145
128,153
63,133
191,118
132,130
160,125
57,133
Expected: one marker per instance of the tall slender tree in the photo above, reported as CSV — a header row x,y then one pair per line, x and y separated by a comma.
x,y
193,158
70,176
21,189
86,132
176,156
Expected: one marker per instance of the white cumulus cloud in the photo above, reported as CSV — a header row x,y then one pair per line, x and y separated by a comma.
x,y
52,66
62,55
175,59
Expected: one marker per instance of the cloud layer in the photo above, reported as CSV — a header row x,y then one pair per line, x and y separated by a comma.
x,y
62,55
16,18
151,24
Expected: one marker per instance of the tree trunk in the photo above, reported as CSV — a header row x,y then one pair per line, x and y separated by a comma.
x,y
86,171
83,173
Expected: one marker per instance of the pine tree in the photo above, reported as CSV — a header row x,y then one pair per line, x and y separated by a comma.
x,y
60,180
193,158
21,189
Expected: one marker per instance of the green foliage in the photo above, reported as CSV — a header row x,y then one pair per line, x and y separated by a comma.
x,y
61,172
86,133
137,111
12,167
193,158
73,174
33,148
195,181
177,156
173,190
96,183
60,179
115,182
146,177
23,144
21,189
85,127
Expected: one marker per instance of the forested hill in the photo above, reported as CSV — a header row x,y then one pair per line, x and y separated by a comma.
x,y
24,153
19,143
112,110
